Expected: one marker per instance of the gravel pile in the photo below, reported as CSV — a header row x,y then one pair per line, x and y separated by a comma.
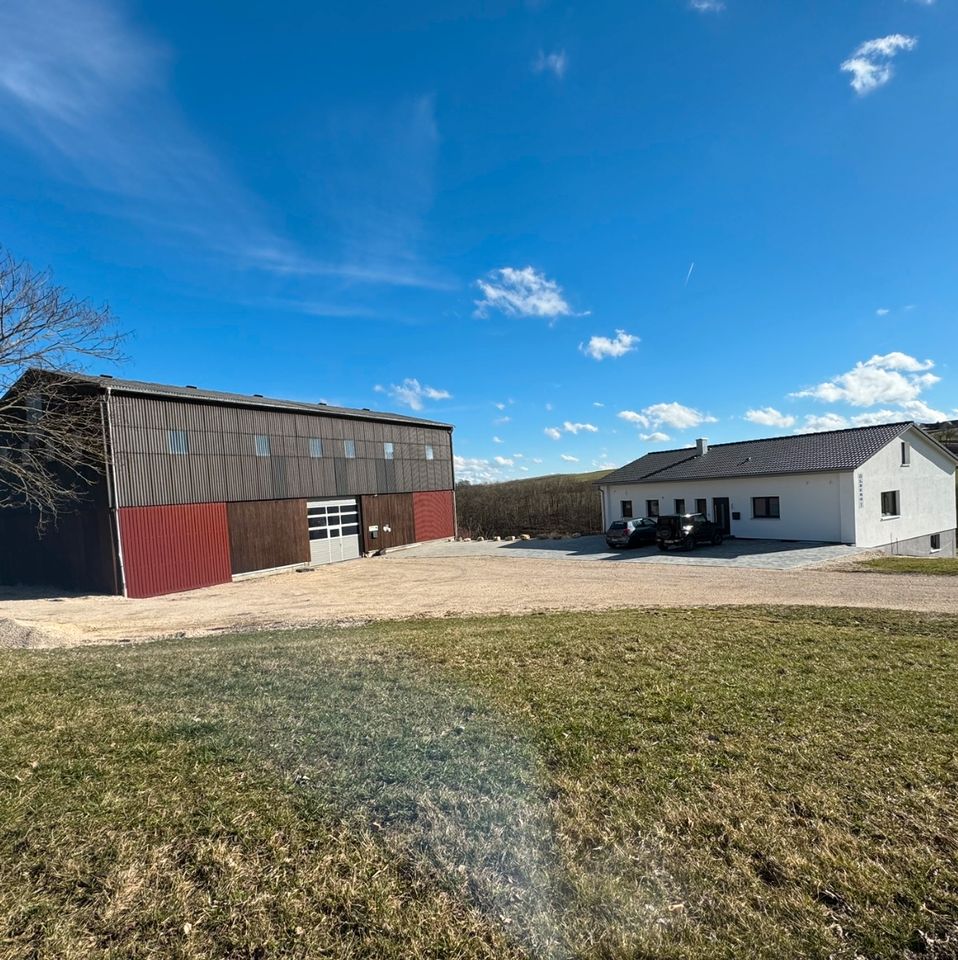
x,y
18,636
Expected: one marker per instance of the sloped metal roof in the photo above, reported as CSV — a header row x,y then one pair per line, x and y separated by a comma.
x,y
146,389
834,450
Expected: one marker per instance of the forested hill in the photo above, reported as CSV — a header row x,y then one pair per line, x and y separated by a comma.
x,y
556,504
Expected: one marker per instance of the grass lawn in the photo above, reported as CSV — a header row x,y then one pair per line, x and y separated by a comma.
x,y
940,566
655,784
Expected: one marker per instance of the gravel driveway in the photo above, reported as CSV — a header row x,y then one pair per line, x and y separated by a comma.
x,y
405,584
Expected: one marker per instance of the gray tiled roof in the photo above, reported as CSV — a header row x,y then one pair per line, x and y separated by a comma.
x,y
834,450
143,388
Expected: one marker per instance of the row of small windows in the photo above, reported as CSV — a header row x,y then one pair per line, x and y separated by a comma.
x,y
179,443
763,508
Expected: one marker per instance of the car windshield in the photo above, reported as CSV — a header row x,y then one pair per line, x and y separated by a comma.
x,y
618,525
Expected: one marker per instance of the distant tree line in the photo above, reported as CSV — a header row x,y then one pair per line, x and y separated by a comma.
x,y
540,505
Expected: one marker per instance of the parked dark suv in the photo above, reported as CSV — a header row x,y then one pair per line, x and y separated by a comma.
x,y
631,533
686,530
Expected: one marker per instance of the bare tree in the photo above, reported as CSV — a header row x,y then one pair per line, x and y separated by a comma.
x,y
51,441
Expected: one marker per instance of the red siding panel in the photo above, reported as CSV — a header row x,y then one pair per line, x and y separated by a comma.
x,y
433,515
170,549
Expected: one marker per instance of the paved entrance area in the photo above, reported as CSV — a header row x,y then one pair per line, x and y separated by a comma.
x,y
760,554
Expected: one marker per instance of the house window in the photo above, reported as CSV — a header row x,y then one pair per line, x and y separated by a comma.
x,y
626,509
179,442
651,508
680,506
388,450
702,506
905,454
889,504
429,452
261,443
349,449
765,508
936,541
315,447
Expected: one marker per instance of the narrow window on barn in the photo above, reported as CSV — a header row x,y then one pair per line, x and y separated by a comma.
x,y
935,542
905,454
429,452
651,508
765,508
388,450
626,509
889,504
702,506
316,447
261,444
349,449
680,506
179,442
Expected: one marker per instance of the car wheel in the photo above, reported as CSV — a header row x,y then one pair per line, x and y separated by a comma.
x,y
689,543
717,539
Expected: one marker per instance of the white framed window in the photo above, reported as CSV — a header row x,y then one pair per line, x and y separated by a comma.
x,y
430,453
388,450
651,508
765,508
349,449
626,509
935,542
315,447
890,506
261,444
680,506
905,454
179,441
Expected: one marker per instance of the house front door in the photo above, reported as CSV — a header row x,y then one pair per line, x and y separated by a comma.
x,y
721,514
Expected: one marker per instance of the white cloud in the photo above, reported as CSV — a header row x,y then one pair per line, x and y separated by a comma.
x,y
919,410
553,433
549,406
556,62
707,6
827,421
518,456
411,393
770,417
882,312
475,470
537,459
604,465
657,437
885,378
870,65
521,293
579,427
500,406
569,458
503,420
601,347
668,414
498,440
596,403
504,461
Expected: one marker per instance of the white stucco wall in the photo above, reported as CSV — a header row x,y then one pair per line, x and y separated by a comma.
x,y
926,493
810,504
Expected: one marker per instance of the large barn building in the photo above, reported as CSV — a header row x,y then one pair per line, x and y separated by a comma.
x,y
199,487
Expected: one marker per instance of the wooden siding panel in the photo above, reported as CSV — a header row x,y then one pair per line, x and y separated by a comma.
x,y
267,533
169,549
434,515
394,510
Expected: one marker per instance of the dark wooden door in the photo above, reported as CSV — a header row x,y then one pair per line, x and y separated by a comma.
x,y
721,514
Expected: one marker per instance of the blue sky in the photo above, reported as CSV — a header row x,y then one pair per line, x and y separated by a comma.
x,y
577,231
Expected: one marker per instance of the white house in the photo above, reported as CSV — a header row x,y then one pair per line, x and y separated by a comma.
x,y
889,486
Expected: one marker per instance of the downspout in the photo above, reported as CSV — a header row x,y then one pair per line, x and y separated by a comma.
x,y
455,503
111,487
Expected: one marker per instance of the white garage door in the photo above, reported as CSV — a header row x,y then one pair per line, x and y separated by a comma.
x,y
333,530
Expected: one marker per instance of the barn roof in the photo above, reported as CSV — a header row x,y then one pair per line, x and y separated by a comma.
x,y
831,451
147,389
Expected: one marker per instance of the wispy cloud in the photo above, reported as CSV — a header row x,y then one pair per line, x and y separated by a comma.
x,y
707,6
770,417
476,470
601,347
556,63
575,428
504,462
667,414
569,458
411,393
498,440
521,292
553,433
871,66
885,378
657,437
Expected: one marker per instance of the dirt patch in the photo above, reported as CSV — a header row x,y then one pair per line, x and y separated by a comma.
x,y
22,636
403,586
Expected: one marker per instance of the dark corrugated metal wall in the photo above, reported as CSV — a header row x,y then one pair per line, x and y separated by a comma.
x,y
173,548
434,515
267,533
389,509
